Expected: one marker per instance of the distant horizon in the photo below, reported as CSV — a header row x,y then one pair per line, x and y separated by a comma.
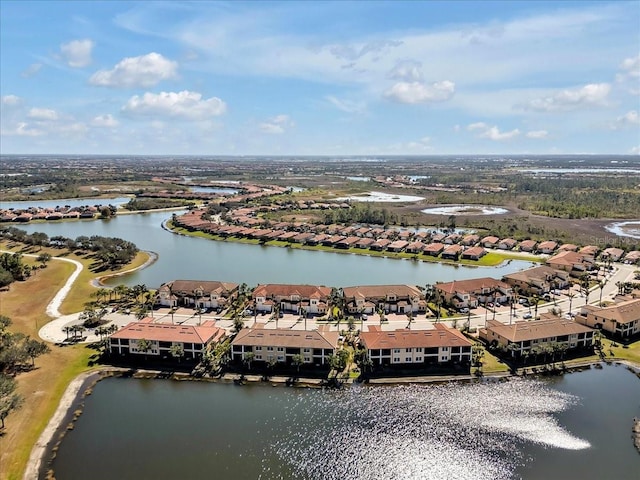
x,y
344,78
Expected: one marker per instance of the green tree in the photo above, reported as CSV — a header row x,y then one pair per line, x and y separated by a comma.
x,y
144,346
177,351
9,399
34,349
248,358
297,361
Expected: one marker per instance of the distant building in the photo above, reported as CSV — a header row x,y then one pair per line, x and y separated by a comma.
x,y
197,293
291,298
470,293
389,298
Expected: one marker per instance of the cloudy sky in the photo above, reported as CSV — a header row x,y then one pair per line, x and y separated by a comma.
x,y
331,78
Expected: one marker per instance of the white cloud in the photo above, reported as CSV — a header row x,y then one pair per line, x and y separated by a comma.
x,y
631,67
347,106
11,100
635,150
593,94
417,92
31,70
185,104
537,134
43,114
629,119
22,129
492,133
144,71
77,53
276,125
477,126
104,121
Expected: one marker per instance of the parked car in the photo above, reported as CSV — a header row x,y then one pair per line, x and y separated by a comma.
x,y
464,310
364,316
527,316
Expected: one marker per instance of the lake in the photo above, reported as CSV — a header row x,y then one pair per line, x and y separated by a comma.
x,y
565,427
71,202
183,257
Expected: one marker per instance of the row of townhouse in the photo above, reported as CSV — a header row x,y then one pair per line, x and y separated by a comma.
x,y
538,280
287,298
528,337
453,246
442,345
160,338
470,293
620,320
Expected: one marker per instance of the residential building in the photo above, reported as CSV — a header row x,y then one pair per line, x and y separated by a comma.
x,y
390,298
474,253
433,249
547,247
193,339
416,347
507,244
613,254
197,293
538,280
522,338
620,320
452,252
470,293
569,261
280,345
528,245
489,241
633,257
291,298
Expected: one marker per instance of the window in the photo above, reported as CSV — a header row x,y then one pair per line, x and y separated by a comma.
x,y
396,350
445,349
396,359
409,350
258,357
280,358
419,349
418,359
281,349
306,350
258,349
445,358
269,349
407,359
307,359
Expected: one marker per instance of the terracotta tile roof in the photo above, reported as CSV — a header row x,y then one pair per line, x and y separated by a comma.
x,y
285,290
472,285
206,286
286,338
623,312
441,336
381,291
536,329
166,332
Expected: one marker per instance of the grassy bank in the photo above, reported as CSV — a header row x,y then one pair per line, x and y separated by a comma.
x,y
42,388
491,259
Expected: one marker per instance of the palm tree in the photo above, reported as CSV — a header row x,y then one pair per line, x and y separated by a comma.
x,y
247,358
570,295
144,346
601,285
177,351
297,360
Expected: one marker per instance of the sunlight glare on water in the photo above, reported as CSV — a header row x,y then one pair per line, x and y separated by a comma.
x,y
449,431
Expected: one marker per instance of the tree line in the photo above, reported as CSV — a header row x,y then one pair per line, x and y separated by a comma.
x,y
110,252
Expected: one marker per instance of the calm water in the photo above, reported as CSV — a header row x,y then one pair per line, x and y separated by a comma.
x,y
576,426
72,202
184,257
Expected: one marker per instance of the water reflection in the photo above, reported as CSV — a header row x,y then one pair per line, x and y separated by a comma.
x,y
423,432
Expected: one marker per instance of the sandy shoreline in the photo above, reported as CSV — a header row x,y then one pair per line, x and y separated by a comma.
x,y
44,441
98,282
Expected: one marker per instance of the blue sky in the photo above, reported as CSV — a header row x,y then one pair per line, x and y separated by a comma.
x,y
320,78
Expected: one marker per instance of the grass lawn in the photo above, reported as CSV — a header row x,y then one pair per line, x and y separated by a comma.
x,y
25,303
